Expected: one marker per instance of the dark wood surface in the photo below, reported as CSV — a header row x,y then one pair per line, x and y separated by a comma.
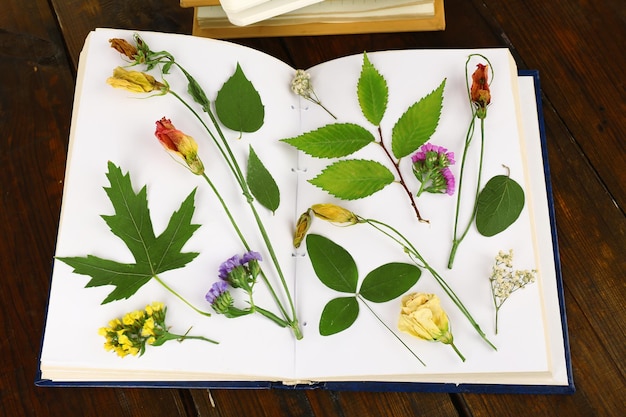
x,y
578,47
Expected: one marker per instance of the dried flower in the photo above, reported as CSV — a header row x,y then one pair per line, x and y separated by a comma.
x,y
302,227
421,316
135,81
334,213
430,166
479,92
123,47
301,85
504,280
179,144
130,334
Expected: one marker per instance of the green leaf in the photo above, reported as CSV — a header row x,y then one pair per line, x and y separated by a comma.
x,y
261,183
338,315
333,265
372,92
131,223
238,105
352,179
417,124
333,140
389,281
499,204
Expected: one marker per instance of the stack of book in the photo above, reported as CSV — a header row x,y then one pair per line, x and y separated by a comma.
x,y
257,18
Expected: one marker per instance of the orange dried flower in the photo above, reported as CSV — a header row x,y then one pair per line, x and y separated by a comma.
x,y
479,92
123,47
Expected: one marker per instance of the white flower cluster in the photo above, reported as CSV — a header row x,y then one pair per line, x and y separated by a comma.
x,y
505,281
301,84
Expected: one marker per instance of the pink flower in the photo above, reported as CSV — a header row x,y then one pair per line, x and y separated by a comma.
x,y
179,144
430,166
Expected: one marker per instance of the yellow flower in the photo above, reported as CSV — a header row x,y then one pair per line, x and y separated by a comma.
x,y
422,316
148,327
154,307
334,213
134,81
302,226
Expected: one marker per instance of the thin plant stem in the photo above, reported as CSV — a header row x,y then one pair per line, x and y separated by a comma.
x,y
170,289
390,331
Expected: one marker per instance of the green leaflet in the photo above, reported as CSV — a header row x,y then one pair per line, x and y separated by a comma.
x,y
336,269
333,140
415,127
261,183
499,204
389,281
372,92
333,265
338,315
131,223
238,105
353,179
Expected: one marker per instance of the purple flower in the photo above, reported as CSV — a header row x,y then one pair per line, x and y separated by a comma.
x,y
431,168
249,256
217,289
449,179
228,265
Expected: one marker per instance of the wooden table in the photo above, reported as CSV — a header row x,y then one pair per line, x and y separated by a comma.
x,y
578,47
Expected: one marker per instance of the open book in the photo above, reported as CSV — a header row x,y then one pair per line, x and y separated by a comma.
x,y
116,126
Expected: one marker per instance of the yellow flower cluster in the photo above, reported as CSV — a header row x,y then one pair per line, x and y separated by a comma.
x,y
130,334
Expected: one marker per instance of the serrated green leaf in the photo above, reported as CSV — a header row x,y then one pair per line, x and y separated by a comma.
x,y
372,92
261,183
338,315
333,140
415,127
238,104
389,281
131,223
499,204
354,178
332,264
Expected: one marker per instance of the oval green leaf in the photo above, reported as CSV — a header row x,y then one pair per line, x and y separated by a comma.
x,y
338,315
261,183
333,265
499,204
415,127
238,105
333,140
389,281
353,179
372,92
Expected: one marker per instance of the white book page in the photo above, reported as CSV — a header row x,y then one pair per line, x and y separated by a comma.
x,y
265,10
367,350
116,125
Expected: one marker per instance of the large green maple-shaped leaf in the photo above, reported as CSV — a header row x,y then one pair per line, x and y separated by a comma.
x,y
131,223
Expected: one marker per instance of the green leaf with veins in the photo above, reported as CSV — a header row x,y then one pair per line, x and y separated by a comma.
x,y
132,224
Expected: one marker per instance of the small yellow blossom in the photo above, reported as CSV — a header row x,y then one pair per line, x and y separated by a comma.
x,y
134,81
334,213
421,316
302,227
